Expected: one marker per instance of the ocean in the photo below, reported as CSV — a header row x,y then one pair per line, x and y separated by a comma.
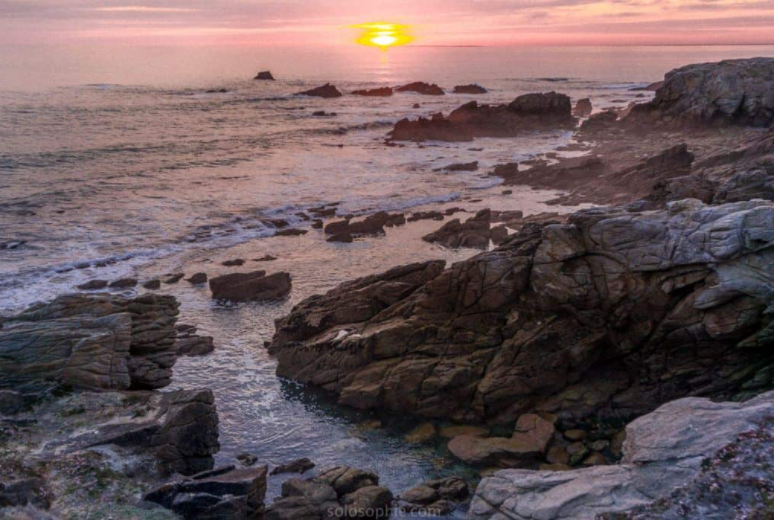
x,y
120,162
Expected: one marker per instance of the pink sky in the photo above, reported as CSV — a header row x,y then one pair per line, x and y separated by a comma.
x,y
434,22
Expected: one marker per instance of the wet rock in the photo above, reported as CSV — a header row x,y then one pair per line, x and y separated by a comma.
x,y
247,459
669,449
250,286
498,234
322,113
265,258
427,89
426,215
368,502
416,105
582,108
93,285
525,113
345,238
600,121
11,244
11,402
575,435
422,433
325,91
297,466
233,494
264,75
469,89
494,451
489,339
448,432
123,283
435,497
374,92
292,232
236,262
727,92
94,341
198,278
534,429
151,284
474,232
194,345
461,167
174,278
506,192
317,224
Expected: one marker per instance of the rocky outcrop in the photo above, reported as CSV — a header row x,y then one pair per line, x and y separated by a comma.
x,y
582,108
525,113
731,91
225,493
609,316
325,91
91,341
255,286
374,92
426,89
469,89
474,232
264,75
339,492
671,457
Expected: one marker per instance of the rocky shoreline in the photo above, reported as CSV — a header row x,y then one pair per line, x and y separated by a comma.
x,y
577,358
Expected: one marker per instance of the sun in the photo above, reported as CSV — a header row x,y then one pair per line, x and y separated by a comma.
x,y
383,34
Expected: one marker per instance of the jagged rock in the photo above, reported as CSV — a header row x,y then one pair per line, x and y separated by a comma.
x,y
174,278
609,315
582,108
292,232
228,494
247,459
474,232
426,215
264,75
374,92
368,502
325,91
469,89
427,89
297,466
731,91
11,402
754,184
525,113
190,344
667,449
95,341
250,286
235,262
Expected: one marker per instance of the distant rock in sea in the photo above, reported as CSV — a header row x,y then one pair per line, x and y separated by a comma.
x,y
325,91
470,89
265,75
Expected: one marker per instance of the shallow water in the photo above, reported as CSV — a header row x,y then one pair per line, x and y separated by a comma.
x,y
156,179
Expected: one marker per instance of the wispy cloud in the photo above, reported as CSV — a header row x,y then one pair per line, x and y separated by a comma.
x,y
142,9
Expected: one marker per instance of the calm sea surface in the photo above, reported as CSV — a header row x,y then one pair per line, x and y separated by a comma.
x,y
121,161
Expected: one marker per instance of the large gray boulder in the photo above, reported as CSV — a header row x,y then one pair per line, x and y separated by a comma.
x,y
731,91
94,341
665,450
609,316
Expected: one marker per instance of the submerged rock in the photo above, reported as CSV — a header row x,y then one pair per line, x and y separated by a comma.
x,y
469,89
374,92
610,315
527,112
666,451
427,89
325,91
582,108
297,466
250,286
474,232
198,278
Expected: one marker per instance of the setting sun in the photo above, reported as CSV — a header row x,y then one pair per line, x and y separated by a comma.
x,y
383,35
